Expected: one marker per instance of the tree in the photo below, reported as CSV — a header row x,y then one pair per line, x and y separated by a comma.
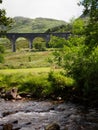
x,y
91,32
80,53
5,23
78,27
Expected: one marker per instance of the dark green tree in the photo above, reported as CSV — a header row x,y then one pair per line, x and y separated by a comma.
x,y
5,23
78,26
91,31
80,54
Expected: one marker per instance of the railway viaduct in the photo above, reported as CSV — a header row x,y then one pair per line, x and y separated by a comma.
x,y
31,36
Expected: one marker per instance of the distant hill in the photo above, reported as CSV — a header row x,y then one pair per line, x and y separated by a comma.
x,y
38,25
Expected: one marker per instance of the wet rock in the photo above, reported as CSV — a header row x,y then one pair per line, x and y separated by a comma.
x,y
15,122
7,126
76,118
2,100
17,128
73,126
28,123
7,113
1,126
12,94
52,126
18,97
2,92
26,95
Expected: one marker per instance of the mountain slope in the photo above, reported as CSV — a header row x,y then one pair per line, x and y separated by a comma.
x,y
38,25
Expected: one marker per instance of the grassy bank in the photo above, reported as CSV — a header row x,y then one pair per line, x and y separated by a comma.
x,y
40,83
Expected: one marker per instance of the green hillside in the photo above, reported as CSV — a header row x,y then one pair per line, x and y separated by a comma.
x,y
38,25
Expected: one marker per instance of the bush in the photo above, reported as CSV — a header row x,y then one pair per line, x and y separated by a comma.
x,y
10,80
35,85
60,85
80,66
56,42
38,85
39,44
83,68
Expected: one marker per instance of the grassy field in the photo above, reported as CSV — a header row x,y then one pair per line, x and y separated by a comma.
x,y
25,59
31,72
26,71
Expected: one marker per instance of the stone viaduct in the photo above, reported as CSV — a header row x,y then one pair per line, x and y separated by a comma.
x,y
30,37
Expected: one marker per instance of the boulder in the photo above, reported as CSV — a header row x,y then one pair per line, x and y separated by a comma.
x,y
53,126
13,94
7,126
2,91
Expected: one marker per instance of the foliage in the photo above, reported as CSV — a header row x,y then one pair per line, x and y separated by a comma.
x,y
24,82
22,43
60,28
60,84
68,52
91,73
56,42
82,68
5,23
78,27
90,7
80,65
1,49
39,44
5,43
72,51
91,32
34,84
85,71
39,85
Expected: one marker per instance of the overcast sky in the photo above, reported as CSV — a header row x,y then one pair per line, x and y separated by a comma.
x,y
56,9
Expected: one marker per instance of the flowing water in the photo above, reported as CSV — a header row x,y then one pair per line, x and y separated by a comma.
x,y
35,115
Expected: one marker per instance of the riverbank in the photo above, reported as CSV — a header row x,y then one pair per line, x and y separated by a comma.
x,y
45,83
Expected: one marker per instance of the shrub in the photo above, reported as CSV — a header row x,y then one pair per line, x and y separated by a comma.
x,y
83,68
34,84
60,84
39,44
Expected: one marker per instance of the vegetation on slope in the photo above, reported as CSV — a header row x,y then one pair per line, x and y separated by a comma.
x,y
38,25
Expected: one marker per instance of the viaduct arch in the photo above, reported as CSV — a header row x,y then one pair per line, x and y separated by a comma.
x,y
31,36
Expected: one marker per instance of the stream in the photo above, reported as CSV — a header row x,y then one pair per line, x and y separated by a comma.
x,y
36,115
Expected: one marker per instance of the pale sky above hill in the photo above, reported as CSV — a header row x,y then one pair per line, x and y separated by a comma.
x,y
56,9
